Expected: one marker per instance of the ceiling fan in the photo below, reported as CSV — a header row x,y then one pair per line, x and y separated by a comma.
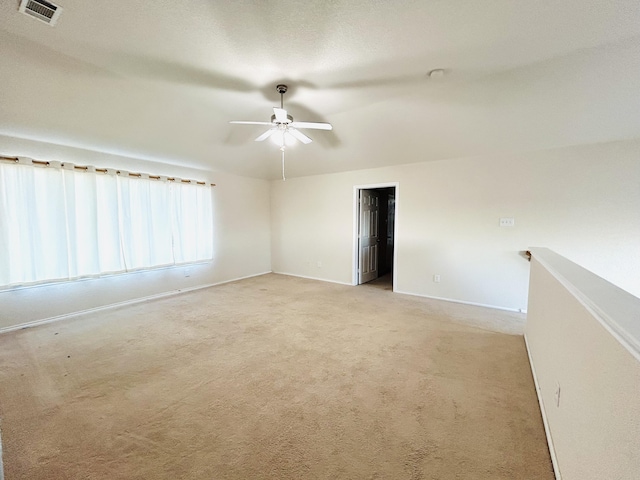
x,y
284,131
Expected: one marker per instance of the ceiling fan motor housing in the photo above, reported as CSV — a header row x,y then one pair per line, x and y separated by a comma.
x,y
289,119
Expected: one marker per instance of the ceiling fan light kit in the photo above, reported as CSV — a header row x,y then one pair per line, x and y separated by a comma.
x,y
284,131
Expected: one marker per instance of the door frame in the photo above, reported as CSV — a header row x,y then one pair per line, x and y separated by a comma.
x,y
356,221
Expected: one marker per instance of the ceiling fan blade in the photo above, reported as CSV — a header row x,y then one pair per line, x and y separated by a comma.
x,y
315,125
250,123
265,135
297,134
281,115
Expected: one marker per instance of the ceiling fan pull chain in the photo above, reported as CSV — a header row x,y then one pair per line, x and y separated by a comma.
x,y
282,150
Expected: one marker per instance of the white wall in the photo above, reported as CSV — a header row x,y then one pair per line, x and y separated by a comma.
x,y
241,242
594,425
583,202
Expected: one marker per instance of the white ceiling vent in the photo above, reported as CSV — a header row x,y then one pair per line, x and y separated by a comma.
x,y
42,10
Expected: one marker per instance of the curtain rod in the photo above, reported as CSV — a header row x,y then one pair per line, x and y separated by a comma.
x,y
103,170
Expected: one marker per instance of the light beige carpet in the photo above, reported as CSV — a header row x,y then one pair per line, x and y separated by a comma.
x,y
273,377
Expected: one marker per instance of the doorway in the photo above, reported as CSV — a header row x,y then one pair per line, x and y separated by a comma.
x,y
375,234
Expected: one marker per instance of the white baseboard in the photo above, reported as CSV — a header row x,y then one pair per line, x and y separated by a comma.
x,y
313,278
452,300
515,310
552,451
170,293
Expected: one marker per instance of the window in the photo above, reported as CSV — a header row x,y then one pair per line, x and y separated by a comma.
x,y
60,221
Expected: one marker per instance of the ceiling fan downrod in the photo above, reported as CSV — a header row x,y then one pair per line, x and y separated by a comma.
x,y
281,89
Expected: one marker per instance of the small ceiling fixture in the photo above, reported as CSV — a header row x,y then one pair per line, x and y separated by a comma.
x,y
284,131
41,10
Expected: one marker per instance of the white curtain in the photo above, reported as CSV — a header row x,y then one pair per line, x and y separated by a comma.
x,y
191,214
58,222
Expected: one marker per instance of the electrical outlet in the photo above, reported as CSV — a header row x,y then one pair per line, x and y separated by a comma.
x,y
436,278
507,222
319,264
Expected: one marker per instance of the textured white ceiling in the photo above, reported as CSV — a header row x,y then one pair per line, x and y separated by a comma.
x,y
160,80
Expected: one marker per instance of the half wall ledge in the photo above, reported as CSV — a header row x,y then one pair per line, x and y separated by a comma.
x,y
616,309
